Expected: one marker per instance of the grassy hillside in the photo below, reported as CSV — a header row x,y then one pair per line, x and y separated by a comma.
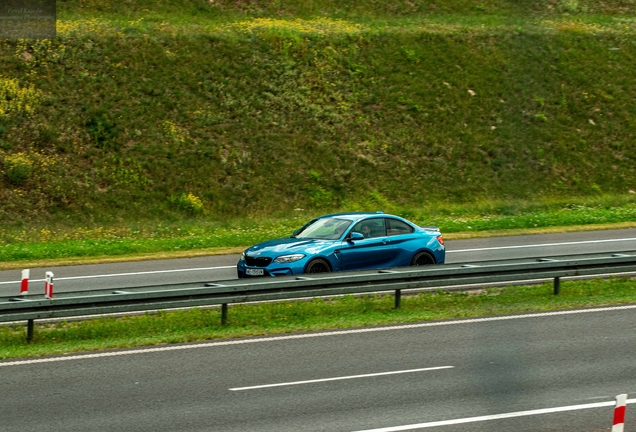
x,y
151,110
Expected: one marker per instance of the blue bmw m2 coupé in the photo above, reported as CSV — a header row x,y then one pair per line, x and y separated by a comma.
x,y
345,241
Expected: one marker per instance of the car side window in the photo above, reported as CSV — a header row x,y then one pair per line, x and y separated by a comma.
x,y
397,227
371,228
361,228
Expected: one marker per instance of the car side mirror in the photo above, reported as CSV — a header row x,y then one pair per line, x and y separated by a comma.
x,y
355,236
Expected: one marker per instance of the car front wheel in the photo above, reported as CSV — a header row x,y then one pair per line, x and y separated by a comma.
x,y
318,266
422,258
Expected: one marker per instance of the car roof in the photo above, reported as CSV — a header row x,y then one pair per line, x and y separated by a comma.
x,y
353,215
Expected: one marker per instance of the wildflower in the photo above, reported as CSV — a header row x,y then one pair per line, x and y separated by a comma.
x,y
16,99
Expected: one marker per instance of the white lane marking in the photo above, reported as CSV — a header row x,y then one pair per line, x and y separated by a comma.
x,y
311,335
541,245
340,378
496,416
127,274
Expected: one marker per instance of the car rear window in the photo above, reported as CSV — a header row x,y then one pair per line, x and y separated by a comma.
x,y
397,227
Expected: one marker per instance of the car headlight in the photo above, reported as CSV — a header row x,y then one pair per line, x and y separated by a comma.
x,y
242,258
289,258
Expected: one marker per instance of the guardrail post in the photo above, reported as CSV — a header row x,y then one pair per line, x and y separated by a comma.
x,y
24,284
557,285
398,298
224,314
30,326
619,413
48,285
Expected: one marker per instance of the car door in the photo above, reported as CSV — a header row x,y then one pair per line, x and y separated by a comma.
x,y
374,251
403,241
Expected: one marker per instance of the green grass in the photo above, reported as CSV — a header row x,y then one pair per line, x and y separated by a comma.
x,y
201,236
318,314
224,9
162,113
98,243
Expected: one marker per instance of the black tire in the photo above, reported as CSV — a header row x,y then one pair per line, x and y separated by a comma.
x,y
318,266
422,258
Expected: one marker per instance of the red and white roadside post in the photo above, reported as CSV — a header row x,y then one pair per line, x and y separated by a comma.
x,y
24,286
619,413
48,285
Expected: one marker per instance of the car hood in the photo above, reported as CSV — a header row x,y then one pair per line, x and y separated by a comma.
x,y
290,245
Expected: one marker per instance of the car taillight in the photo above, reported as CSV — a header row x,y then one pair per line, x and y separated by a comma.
x,y
440,240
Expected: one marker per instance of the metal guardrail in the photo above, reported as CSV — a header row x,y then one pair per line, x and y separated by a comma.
x,y
446,277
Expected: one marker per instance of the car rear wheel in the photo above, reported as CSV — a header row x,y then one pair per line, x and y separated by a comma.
x,y
318,266
422,258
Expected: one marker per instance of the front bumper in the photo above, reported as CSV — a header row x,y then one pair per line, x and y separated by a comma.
x,y
271,270
242,274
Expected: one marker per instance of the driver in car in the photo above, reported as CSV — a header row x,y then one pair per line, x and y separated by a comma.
x,y
365,231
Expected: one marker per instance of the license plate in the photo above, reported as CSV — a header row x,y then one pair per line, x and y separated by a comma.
x,y
255,272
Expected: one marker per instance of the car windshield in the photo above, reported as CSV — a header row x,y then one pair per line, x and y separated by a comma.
x,y
324,228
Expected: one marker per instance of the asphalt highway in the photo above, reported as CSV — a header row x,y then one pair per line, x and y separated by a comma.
x,y
557,371
536,372
216,268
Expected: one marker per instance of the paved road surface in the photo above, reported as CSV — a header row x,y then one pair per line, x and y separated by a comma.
x,y
429,374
